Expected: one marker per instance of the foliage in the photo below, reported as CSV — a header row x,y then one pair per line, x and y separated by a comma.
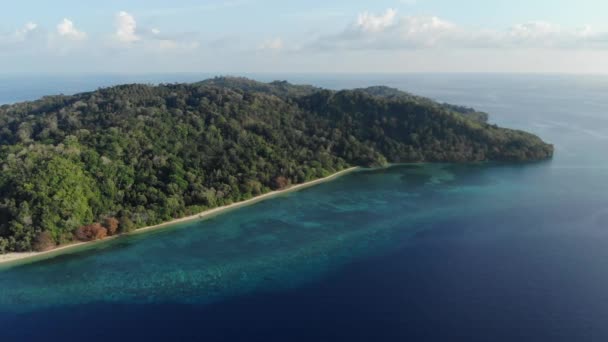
x,y
147,154
44,242
111,224
126,225
44,188
91,232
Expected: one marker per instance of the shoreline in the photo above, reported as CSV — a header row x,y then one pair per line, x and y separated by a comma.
x,y
23,257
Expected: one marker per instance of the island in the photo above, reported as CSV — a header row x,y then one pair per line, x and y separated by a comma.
x,y
92,165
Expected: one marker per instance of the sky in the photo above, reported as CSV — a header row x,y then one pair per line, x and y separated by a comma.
x,y
313,36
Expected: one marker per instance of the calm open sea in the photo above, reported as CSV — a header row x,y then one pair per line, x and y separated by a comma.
x,y
441,252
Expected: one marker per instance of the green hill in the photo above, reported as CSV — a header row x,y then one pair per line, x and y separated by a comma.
x,y
146,154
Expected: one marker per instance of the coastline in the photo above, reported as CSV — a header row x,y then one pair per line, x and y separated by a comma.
x,y
24,257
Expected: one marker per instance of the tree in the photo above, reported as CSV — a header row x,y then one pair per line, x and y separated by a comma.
x,y
126,225
44,242
54,191
281,182
91,232
111,224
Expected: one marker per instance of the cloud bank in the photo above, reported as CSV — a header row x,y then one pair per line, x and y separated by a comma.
x,y
364,40
390,31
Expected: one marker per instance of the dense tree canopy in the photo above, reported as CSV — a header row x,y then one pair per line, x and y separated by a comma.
x,y
136,155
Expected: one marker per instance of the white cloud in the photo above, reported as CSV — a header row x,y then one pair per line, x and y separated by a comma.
x,y
586,31
390,31
426,31
539,34
152,39
381,41
156,39
67,29
376,23
534,29
126,27
22,33
30,26
274,44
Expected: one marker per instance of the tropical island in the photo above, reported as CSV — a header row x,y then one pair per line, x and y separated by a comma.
x,y
101,163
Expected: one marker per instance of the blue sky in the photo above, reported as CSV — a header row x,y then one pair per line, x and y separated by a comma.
x,y
304,36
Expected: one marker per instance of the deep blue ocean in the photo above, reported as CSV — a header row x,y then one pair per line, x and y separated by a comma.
x,y
422,252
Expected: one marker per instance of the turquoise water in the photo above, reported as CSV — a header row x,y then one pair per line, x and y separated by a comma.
x,y
280,243
429,252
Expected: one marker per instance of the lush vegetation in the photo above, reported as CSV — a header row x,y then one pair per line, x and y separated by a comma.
x,y
95,164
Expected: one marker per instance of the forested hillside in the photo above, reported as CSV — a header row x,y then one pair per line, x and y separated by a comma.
x,y
93,164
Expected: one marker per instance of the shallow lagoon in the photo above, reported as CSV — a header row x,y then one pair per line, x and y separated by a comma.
x,y
279,243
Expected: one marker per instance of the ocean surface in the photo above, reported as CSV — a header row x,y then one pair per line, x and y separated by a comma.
x,y
441,252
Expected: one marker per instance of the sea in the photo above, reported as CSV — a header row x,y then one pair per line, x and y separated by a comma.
x,y
420,252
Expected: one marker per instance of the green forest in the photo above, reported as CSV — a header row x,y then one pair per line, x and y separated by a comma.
x,y
82,167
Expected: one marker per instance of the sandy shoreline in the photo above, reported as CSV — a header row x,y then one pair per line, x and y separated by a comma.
x,y
31,256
